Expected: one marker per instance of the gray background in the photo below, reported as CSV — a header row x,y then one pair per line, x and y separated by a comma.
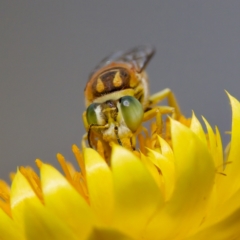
x,y
48,49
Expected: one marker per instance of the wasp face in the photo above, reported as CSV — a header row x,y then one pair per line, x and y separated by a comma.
x,y
117,94
116,119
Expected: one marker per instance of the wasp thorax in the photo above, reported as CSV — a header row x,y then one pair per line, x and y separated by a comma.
x,y
110,81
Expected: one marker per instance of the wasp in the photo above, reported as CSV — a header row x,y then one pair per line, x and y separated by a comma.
x,y
118,100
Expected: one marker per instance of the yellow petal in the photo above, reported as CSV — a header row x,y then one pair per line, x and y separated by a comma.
x,y
35,221
136,193
42,224
219,215
213,145
62,199
20,191
219,150
147,161
167,169
235,140
195,174
227,228
196,127
107,234
8,228
231,183
100,185
166,150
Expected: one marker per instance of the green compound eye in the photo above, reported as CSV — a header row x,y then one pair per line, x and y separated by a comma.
x,y
91,114
132,112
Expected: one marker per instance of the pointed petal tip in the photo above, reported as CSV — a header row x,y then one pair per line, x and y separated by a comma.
x,y
87,152
193,114
91,157
119,152
232,98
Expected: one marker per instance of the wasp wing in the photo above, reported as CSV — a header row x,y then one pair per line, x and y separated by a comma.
x,y
138,57
113,57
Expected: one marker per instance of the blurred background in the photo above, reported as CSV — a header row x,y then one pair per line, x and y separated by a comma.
x,y
48,49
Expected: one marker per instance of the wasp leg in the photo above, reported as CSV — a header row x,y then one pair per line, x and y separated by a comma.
x,y
157,112
84,139
116,132
87,136
92,126
85,122
133,142
133,139
172,101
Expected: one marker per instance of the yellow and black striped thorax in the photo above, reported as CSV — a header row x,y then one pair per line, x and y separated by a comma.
x,y
111,81
120,73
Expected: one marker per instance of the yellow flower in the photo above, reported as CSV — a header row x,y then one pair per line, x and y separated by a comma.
x,y
179,187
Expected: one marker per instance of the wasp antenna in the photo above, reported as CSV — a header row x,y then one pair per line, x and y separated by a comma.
x,y
89,136
116,132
